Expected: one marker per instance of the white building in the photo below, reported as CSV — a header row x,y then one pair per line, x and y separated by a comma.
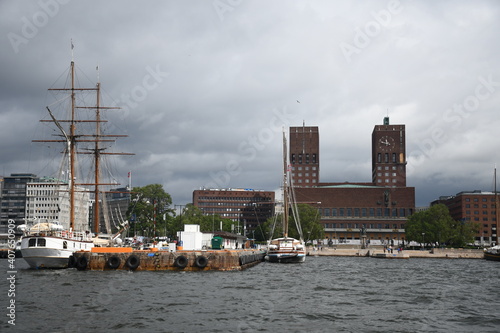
x,y
48,201
191,238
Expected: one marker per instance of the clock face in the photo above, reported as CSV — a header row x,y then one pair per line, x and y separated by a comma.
x,y
386,143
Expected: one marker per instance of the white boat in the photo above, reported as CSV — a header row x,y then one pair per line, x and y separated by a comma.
x,y
51,244
492,253
47,245
287,249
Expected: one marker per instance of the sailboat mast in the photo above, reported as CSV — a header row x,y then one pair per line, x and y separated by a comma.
x,y
72,136
496,207
285,188
97,160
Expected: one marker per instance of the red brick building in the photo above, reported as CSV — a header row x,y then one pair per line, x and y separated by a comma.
x,y
304,155
381,207
475,206
247,207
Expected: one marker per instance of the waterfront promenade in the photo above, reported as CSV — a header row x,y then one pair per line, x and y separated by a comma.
x,y
356,251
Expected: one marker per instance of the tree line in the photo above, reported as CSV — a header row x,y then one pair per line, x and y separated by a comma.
x,y
151,214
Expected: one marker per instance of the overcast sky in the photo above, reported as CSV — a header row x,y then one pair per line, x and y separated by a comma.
x,y
206,86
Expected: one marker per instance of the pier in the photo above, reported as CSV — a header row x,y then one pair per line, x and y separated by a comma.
x,y
378,252
126,258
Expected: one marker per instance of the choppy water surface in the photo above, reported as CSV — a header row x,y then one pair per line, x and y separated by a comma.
x,y
324,294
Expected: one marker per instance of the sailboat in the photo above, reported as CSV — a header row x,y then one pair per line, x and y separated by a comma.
x,y
51,243
493,253
287,249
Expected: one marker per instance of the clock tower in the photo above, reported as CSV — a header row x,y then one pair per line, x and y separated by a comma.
x,y
389,155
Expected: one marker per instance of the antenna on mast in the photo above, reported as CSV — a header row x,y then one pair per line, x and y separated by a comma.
x,y
72,47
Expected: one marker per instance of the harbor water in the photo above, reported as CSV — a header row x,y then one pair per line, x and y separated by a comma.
x,y
324,294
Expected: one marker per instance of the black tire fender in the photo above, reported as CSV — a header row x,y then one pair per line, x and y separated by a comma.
x,y
201,261
133,262
81,263
181,262
113,262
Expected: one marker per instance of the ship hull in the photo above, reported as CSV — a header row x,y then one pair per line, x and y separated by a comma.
x,y
286,257
492,256
50,252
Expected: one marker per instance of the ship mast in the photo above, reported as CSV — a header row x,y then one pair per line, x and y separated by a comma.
x,y
73,138
496,207
97,151
285,188
72,146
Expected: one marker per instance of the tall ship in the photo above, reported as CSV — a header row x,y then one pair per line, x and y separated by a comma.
x,y
287,249
48,242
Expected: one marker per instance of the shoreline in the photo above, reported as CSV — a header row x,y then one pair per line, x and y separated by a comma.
x,y
405,254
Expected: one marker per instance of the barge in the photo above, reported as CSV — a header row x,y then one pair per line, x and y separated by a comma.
x,y
127,258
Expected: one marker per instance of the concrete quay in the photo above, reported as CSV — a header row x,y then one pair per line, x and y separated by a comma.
x,y
378,252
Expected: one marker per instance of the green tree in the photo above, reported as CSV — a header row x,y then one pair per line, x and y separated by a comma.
x,y
191,214
436,225
149,210
309,220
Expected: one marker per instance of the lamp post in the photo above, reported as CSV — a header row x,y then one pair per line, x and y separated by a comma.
x,y
423,240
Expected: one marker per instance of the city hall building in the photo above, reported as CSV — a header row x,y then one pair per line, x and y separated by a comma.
x,y
381,207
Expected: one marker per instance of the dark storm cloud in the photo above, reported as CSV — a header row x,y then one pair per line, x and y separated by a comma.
x,y
205,86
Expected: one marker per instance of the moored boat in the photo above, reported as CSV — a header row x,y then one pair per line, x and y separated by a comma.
x,y
51,244
492,253
287,249
47,245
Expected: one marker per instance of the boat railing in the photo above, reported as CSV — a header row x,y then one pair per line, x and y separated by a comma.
x,y
73,235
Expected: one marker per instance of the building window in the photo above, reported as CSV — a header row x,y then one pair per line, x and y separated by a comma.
x,y
334,211
379,158
341,211
363,212
314,158
393,157
372,211
349,212
386,158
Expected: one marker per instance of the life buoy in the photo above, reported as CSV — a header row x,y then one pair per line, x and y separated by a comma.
x,y
181,262
133,262
201,262
81,263
113,262
71,262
